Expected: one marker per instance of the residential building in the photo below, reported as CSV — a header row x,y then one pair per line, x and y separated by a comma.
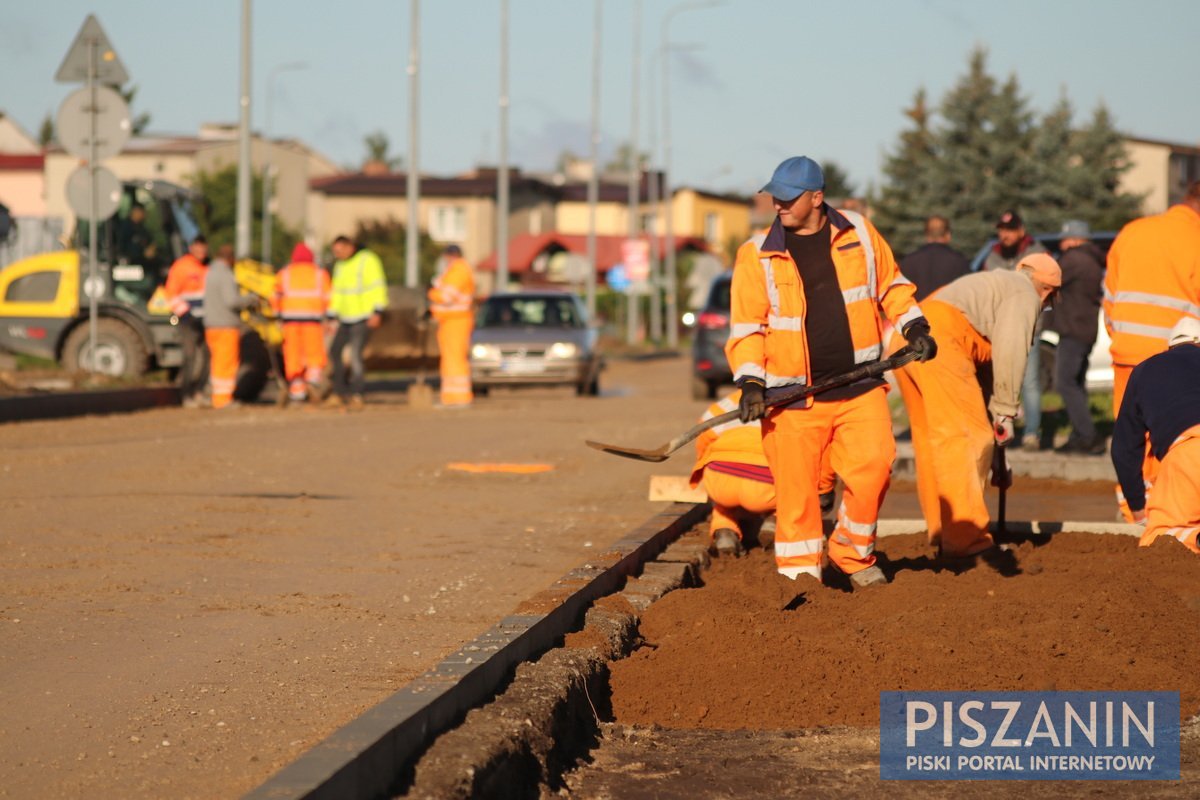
x,y
1159,170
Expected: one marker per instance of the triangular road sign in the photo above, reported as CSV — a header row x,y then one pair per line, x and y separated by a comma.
x,y
109,69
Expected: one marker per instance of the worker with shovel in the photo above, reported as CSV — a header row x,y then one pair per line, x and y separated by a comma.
x,y
984,324
806,306
301,301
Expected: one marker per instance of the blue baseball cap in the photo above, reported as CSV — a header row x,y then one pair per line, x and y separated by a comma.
x,y
794,177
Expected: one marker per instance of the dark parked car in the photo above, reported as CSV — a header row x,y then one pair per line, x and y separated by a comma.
x,y
710,370
1099,371
534,338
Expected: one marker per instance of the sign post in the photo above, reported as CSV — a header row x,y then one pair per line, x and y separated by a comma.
x,y
93,61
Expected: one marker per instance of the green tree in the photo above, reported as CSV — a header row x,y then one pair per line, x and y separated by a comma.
x,y
837,182
1050,157
389,240
46,132
906,198
218,214
1097,161
379,151
139,122
623,160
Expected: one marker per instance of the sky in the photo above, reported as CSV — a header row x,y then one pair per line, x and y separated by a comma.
x,y
751,82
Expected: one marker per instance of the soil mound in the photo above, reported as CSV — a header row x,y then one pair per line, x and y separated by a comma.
x,y
1078,611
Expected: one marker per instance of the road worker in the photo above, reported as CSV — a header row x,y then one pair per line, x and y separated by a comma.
x,y
450,300
984,322
222,325
806,306
185,293
731,465
358,297
301,301
1153,280
1162,401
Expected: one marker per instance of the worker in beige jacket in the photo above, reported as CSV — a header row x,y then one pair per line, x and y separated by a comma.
x,y
984,325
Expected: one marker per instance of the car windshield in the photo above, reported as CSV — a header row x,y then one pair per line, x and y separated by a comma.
x,y
551,312
718,298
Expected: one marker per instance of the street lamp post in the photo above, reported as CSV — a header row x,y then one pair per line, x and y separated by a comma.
x,y
668,199
266,172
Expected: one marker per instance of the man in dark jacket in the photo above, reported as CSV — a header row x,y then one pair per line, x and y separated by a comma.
x,y
935,263
1075,320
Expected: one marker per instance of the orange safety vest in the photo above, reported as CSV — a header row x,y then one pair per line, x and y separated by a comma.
x,y
767,337
301,292
452,291
1153,280
185,286
736,441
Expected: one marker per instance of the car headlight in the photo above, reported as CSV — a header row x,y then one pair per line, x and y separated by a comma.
x,y
562,350
485,352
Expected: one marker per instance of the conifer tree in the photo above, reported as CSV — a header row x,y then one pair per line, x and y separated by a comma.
x,y
1098,160
906,199
1050,198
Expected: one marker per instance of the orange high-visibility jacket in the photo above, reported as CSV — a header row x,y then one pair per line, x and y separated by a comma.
x,y
453,290
1153,279
736,441
185,286
767,337
301,292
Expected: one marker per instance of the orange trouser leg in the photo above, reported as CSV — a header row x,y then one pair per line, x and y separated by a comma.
x,y
1174,508
734,498
304,355
828,480
795,442
223,349
1149,462
862,453
454,342
952,434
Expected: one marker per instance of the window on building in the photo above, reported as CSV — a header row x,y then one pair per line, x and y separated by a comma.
x,y
650,223
712,227
448,223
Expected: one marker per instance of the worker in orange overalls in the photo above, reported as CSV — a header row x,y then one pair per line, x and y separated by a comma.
x,y
732,466
1162,401
222,325
301,301
1153,280
185,293
806,306
450,302
983,322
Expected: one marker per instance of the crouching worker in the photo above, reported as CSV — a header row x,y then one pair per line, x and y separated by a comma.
x,y
1162,400
731,465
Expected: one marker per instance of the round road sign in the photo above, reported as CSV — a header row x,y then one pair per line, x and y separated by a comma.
x,y
79,194
94,287
74,124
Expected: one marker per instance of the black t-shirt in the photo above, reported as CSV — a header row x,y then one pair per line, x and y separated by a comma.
x,y
827,327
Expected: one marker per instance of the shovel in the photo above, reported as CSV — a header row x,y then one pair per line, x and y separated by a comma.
x,y
900,358
420,393
1002,479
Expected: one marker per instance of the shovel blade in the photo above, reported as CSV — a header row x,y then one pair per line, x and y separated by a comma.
x,y
656,455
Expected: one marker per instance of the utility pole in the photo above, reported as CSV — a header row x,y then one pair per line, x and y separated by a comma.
x,y
412,236
502,172
635,168
267,191
594,179
244,210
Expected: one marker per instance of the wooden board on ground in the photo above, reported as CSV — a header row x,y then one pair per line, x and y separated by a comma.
x,y
675,489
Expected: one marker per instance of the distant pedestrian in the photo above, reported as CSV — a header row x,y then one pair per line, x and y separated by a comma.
x,y
301,301
1153,281
450,301
357,302
1075,318
1162,401
935,263
185,293
223,305
732,467
1013,244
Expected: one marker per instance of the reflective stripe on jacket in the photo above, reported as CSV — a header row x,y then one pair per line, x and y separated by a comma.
x,y
767,337
301,292
453,290
185,286
358,288
1153,280
736,441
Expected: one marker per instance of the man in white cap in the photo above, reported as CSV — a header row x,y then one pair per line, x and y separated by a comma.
x,y
1162,401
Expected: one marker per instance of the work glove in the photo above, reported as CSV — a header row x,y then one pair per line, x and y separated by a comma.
x,y
753,404
919,338
1002,427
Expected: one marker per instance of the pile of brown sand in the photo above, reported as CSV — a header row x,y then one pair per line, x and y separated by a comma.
x,y
1078,612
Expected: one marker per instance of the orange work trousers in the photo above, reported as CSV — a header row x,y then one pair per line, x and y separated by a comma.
x,y
1174,508
951,432
858,435
1149,462
304,356
454,343
223,347
735,498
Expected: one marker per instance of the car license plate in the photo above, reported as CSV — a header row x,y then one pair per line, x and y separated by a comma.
x,y
521,366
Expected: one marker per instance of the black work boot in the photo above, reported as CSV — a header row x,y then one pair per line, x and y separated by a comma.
x,y
725,542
